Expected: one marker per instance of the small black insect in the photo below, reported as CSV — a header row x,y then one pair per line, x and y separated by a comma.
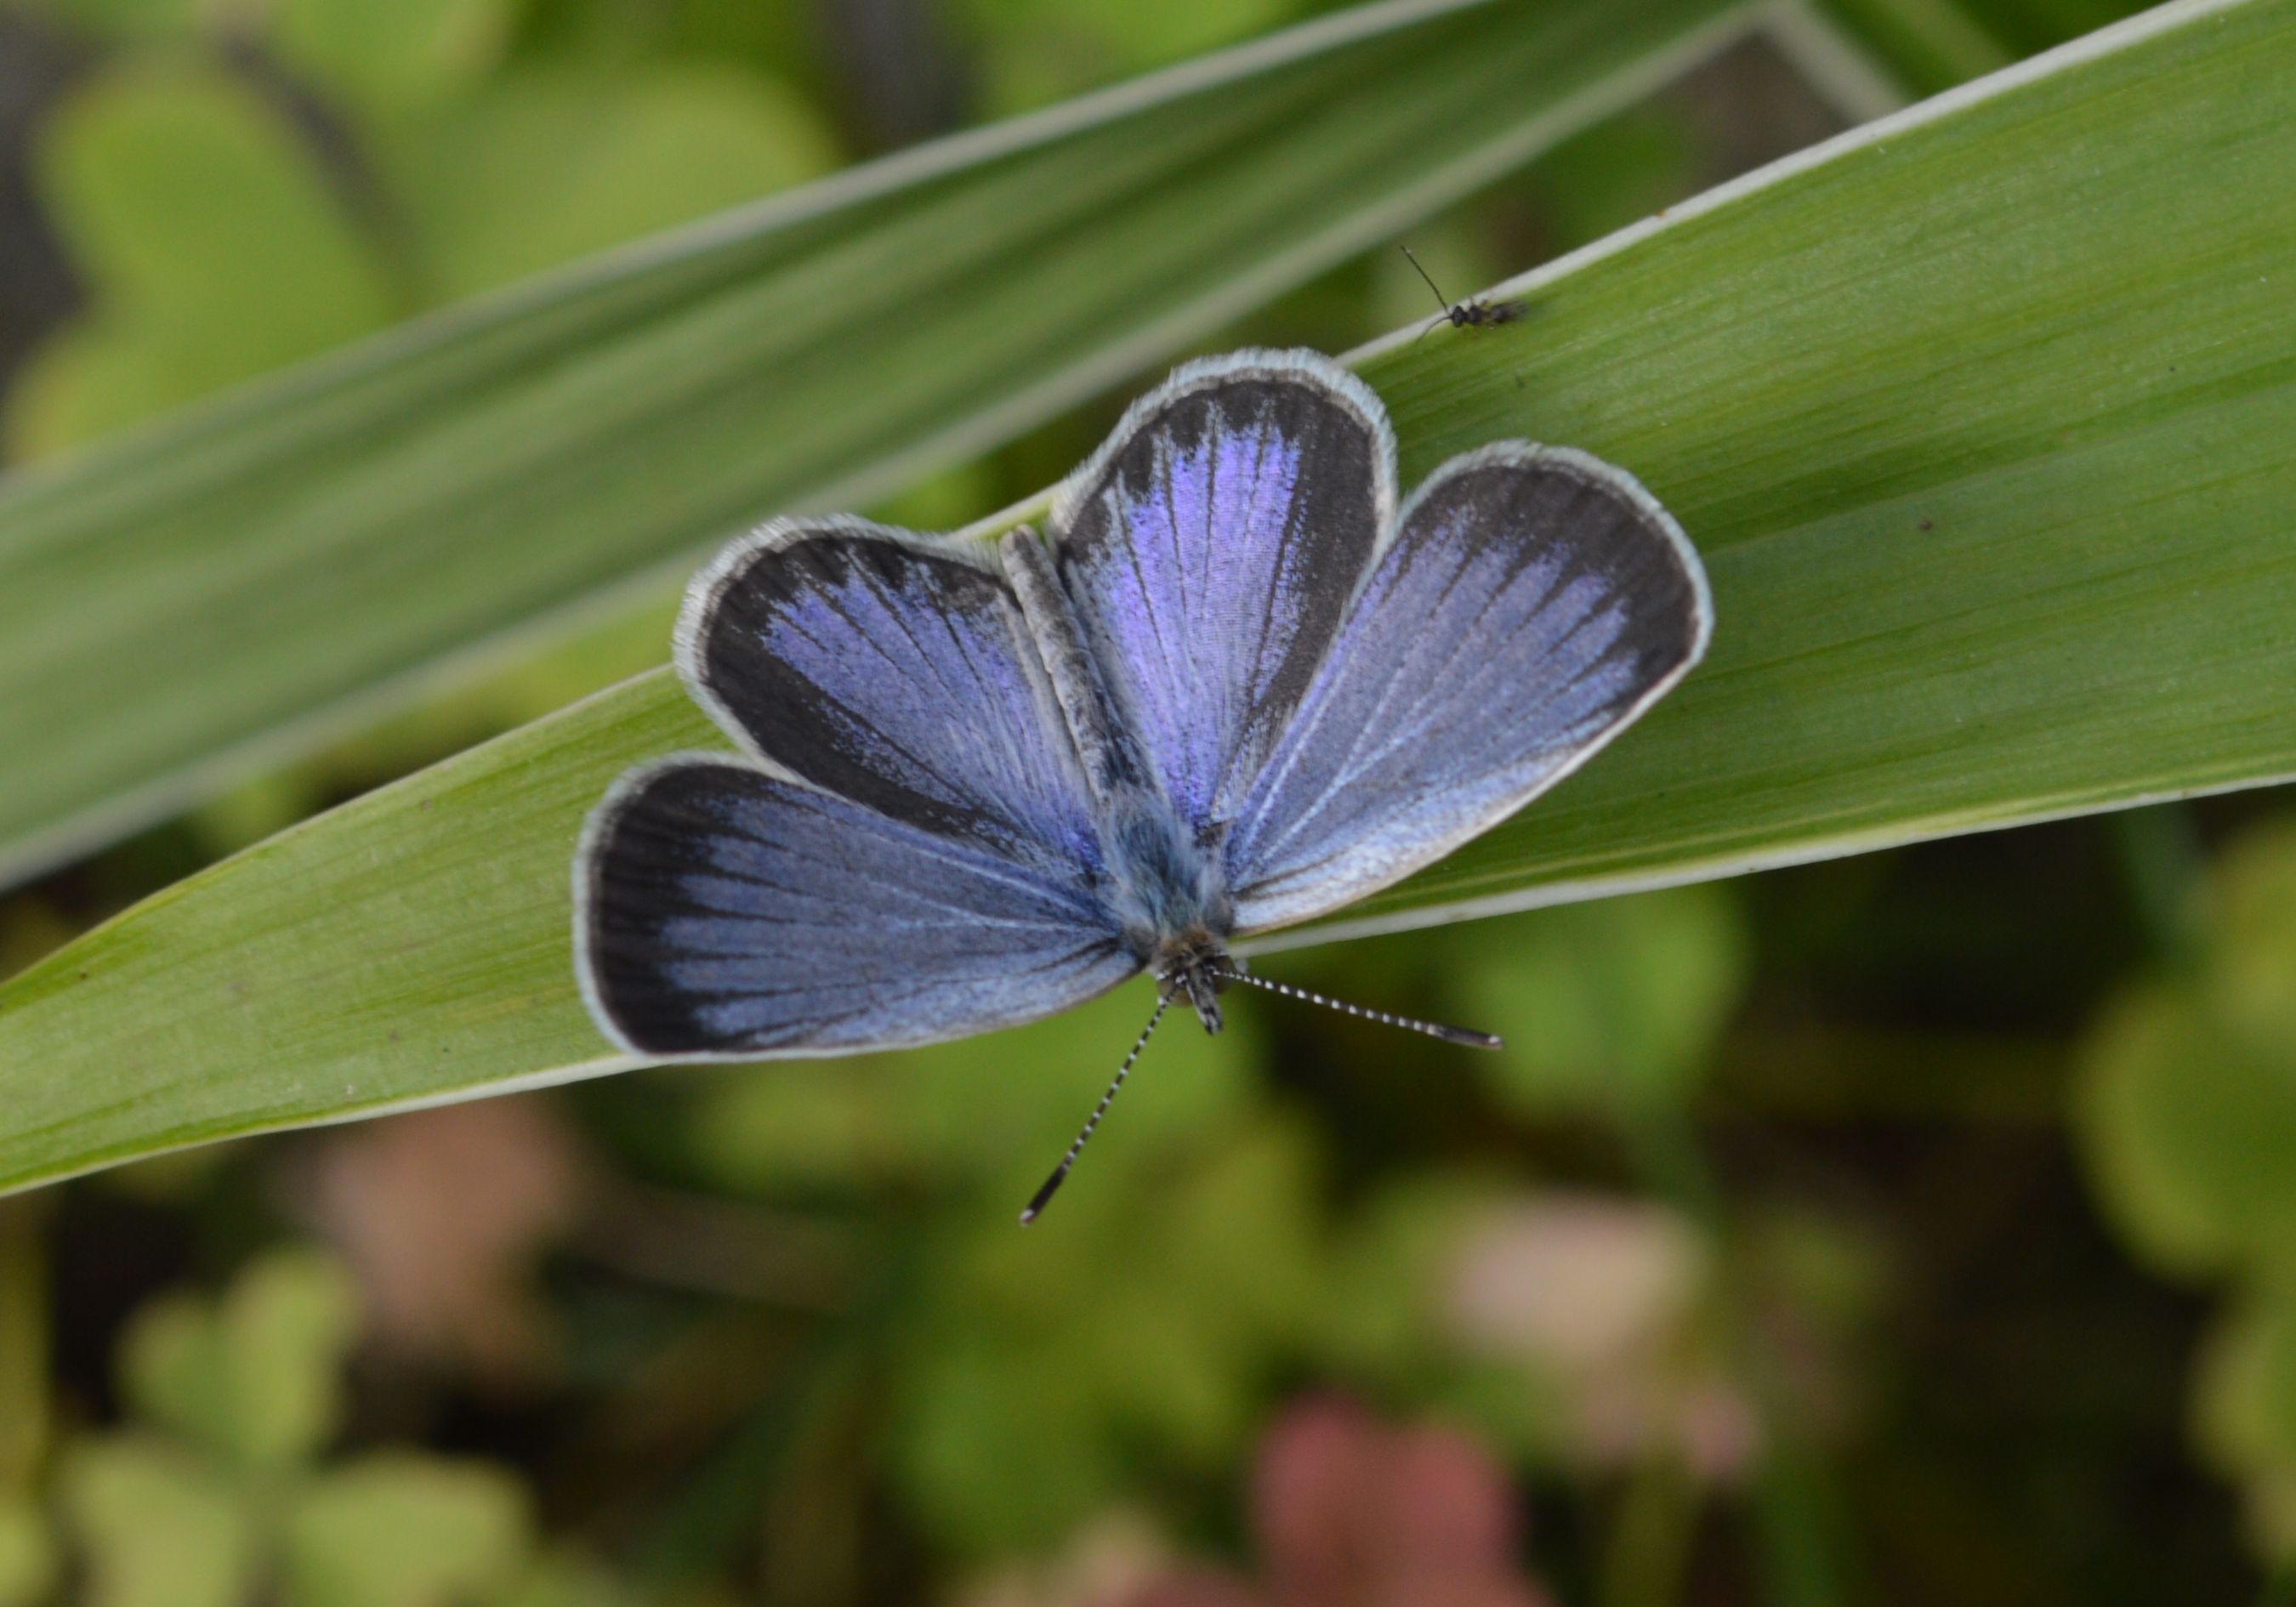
x,y
1465,314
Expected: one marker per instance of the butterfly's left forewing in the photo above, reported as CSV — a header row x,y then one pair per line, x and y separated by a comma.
x,y
895,669
1533,602
911,856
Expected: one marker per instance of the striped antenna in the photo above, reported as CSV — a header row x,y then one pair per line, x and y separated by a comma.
x,y
1061,1173
1449,1035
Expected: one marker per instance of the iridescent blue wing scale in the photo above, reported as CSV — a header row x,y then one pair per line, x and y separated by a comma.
x,y
725,913
1533,602
1209,550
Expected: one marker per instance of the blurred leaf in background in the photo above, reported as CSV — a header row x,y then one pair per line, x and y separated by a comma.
x,y
253,1378
155,1528
404,1530
1612,1004
1035,1370
349,165
220,1494
1046,1376
382,59
546,166
211,249
27,1563
1034,51
2187,1112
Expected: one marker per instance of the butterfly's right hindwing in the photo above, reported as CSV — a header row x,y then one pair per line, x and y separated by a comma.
x,y
1533,603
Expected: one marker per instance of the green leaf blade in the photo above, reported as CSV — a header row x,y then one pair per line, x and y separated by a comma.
x,y
245,580
1980,417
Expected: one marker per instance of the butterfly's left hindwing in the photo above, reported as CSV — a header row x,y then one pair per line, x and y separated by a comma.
x,y
1533,602
722,913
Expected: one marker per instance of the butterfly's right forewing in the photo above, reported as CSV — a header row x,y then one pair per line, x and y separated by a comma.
x,y
1208,552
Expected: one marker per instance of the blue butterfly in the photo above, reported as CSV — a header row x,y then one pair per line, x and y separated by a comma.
x,y
1234,686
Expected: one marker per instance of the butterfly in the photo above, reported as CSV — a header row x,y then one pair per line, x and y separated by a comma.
x,y
1234,685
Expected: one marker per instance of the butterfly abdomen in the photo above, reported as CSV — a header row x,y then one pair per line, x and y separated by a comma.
x,y
1161,881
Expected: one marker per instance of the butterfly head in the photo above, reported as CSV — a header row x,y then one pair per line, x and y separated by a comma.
x,y
1195,966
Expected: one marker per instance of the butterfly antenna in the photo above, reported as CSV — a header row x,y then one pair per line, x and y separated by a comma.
x,y
1044,1195
1449,1035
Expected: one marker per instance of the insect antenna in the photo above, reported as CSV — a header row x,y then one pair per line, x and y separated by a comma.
x,y
1450,1035
1044,1196
1441,300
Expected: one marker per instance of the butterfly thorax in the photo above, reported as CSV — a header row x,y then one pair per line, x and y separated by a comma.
x,y
1168,891
1169,894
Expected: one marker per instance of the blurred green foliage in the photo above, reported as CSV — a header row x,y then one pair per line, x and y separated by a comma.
x,y
214,251
1037,1373
1032,51
1610,1004
228,219
1042,1377
1030,1380
218,1494
27,1557
2188,1116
